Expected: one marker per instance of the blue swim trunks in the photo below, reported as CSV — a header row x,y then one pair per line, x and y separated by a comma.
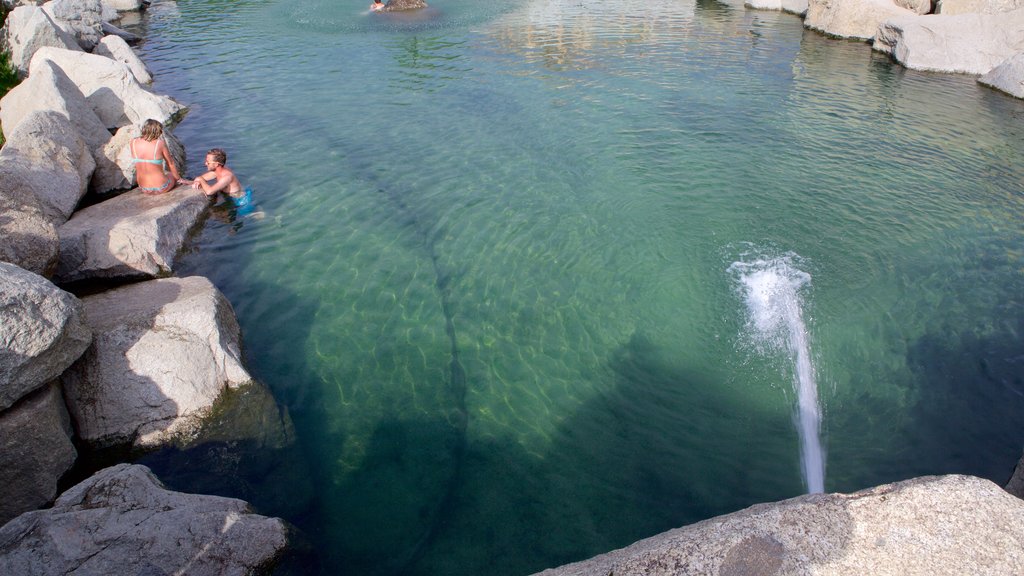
x,y
243,200
243,203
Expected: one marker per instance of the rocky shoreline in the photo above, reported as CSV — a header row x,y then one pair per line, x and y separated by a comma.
x,y
150,361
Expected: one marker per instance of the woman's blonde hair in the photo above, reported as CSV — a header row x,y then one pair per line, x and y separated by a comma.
x,y
152,129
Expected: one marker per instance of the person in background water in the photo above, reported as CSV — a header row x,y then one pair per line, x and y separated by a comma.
x,y
377,6
224,180
152,160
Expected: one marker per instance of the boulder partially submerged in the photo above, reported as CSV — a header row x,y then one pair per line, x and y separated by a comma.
x,y
964,43
129,237
123,521
1008,76
403,5
162,354
928,525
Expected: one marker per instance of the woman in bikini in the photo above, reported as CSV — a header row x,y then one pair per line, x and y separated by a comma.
x,y
150,156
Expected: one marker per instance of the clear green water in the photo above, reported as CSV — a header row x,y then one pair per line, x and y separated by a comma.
x,y
492,286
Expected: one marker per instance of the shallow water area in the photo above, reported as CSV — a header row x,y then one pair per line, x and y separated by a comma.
x,y
491,277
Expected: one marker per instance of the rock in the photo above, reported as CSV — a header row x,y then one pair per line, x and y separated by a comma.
x,y
1016,484
124,5
400,5
49,88
1008,76
44,156
163,352
929,525
111,30
123,521
950,7
81,19
35,451
964,43
27,237
798,7
128,237
42,329
110,88
916,6
115,48
851,18
29,28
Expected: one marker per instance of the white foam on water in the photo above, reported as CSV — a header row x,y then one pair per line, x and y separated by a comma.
x,y
771,289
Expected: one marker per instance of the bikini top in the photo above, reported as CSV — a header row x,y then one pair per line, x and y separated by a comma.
x,y
154,160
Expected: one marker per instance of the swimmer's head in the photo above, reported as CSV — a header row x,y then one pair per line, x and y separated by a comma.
x,y
217,155
152,129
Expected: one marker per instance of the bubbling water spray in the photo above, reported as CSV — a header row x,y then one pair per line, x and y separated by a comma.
x,y
771,290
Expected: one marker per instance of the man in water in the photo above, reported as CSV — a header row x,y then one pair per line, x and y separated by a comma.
x,y
377,6
224,179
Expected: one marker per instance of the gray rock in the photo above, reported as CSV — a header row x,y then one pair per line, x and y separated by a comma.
x,y
81,19
931,525
29,28
128,237
27,237
124,5
950,7
851,18
964,43
45,157
401,5
110,88
42,329
917,6
35,451
111,30
798,7
1008,76
49,88
1016,484
115,48
163,352
123,521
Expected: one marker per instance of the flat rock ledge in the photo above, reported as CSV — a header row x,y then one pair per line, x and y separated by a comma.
x,y
123,521
129,237
929,525
163,352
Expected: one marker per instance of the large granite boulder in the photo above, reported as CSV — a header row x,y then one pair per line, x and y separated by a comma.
x,y
402,5
49,88
81,19
123,521
798,7
916,6
35,451
163,352
111,88
29,28
44,156
851,18
128,237
42,329
27,237
1016,484
929,525
117,49
1008,76
124,5
964,43
950,7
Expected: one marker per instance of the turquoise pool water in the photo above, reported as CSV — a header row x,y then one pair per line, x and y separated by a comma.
x,y
500,270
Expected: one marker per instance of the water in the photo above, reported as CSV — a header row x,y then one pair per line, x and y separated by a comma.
x,y
771,289
491,282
